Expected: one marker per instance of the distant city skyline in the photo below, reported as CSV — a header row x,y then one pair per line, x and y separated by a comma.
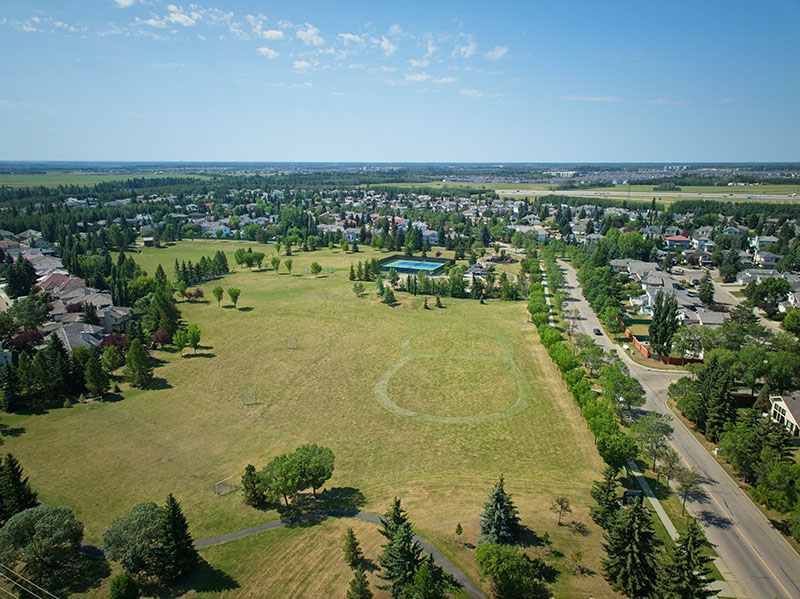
x,y
515,82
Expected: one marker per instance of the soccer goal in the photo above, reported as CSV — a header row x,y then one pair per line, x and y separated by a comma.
x,y
225,485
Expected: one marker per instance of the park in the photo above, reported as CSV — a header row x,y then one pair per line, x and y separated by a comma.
x,y
427,405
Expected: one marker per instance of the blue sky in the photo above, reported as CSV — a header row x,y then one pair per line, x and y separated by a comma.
x,y
399,81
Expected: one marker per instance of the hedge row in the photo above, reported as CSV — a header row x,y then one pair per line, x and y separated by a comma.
x,y
614,446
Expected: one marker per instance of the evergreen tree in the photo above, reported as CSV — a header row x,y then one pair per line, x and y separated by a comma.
x,y
352,272
721,408
96,379
251,488
686,573
12,399
59,373
89,314
392,519
706,290
388,296
631,548
15,490
604,493
499,522
400,560
138,369
428,582
180,556
359,587
352,549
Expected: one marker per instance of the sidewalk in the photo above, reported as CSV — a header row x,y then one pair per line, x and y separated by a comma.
x,y
724,588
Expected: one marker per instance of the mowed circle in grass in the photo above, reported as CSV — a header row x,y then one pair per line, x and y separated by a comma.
x,y
453,387
453,376
458,342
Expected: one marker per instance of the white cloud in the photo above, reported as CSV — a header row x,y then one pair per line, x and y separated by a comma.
x,y
465,50
419,64
124,3
474,93
181,19
388,47
310,35
395,29
154,22
348,38
301,65
387,69
432,48
168,65
257,23
417,77
496,53
268,52
445,80
337,93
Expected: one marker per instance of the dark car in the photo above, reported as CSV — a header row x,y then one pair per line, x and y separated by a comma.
x,y
597,332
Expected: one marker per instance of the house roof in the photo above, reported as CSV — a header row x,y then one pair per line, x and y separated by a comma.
x,y
79,334
792,403
677,238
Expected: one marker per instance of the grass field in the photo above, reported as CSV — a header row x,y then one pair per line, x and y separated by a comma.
x,y
618,190
193,429
56,178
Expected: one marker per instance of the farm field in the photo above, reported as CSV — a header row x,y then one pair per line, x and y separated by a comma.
x,y
56,178
193,429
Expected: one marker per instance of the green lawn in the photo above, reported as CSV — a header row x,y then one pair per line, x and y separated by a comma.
x,y
193,429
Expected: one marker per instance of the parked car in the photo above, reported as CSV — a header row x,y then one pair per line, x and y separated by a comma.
x,y
598,332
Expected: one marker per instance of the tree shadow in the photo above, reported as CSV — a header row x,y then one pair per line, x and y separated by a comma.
x,y
201,355
82,574
246,309
711,519
305,510
159,383
528,538
579,528
369,565
11,431
205,578
228,307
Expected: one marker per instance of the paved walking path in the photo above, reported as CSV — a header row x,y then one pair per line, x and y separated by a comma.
x,y
648,492
472,589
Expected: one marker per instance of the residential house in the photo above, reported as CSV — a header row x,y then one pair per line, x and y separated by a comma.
x,y
79,334
785,410
755,274
761,241
766,259
678,242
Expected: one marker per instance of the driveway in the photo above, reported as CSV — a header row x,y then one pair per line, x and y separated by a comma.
x,y
763,563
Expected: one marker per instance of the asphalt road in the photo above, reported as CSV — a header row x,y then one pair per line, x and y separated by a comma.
x,y
764,565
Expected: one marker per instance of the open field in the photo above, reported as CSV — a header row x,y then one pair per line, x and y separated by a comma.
x,y
733,192
56,178
193,429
